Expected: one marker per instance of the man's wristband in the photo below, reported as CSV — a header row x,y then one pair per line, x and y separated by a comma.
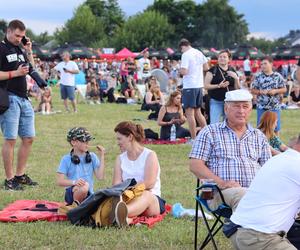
x,y
9,75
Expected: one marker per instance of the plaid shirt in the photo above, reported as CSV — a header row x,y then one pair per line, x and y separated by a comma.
x,y
229,157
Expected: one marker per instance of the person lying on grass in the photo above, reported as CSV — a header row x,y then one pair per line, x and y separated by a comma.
x,y
77,168
139,163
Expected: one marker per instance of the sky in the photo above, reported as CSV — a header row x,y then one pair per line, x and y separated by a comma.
x,y
266,18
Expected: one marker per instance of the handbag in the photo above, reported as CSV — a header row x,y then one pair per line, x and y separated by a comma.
x,y
4,100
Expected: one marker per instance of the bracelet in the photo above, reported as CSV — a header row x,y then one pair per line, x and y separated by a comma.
x,y
73,182
9,75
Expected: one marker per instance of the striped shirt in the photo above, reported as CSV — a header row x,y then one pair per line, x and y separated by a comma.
x,y
230,157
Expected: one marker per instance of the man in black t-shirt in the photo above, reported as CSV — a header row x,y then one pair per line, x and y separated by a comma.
x,y
298,72
18,119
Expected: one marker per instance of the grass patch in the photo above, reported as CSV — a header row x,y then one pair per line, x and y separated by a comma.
x,y
50,145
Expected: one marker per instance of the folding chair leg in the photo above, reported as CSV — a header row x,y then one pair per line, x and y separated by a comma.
x,y
214,232
210,236
196,217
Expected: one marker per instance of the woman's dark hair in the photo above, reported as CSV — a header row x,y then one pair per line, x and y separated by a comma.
x,y
129,128
225,51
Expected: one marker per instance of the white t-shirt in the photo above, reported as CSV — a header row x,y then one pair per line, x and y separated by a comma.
x,y
247,65
136,169
193,61
66,78
273,198
145,68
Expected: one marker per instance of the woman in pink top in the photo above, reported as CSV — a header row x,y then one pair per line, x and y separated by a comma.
x,y
140,163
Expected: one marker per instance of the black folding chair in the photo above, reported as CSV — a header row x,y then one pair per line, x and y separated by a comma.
x,y
222,211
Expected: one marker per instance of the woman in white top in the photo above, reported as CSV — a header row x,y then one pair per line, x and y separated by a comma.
x,y
139,163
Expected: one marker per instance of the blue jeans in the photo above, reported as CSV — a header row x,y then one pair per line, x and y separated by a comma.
x,y
216,111
18,119
260,113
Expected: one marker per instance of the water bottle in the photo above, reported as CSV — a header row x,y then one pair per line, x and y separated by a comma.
x,y
173,133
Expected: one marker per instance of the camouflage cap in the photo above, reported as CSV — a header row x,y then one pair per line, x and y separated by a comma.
x,y
80,134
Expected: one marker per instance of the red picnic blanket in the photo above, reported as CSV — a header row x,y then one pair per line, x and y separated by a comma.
x,y
160,142
151,221
31,210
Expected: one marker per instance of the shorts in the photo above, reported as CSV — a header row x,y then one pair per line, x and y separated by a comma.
x,y
161,203
18,119
192,98
69,195
67,92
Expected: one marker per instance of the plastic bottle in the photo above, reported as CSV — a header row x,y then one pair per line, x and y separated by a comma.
x,y
173,133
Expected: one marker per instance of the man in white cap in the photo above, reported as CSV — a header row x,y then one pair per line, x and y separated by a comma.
x,y
231,152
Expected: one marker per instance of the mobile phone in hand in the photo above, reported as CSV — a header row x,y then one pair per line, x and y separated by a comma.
x,y
24,40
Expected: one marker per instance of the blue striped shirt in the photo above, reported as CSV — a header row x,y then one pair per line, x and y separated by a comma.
x,y
230,157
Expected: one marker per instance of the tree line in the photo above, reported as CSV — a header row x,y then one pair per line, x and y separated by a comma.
x,y
102,23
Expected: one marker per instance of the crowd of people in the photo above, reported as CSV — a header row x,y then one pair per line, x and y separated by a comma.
x,y
248,164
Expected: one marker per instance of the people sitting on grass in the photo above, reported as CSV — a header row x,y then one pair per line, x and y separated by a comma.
x,y
232,151
128,87
92,91
170,114
107,88
77,168
268,210
139,163
46,101
294,97
267,125
153,99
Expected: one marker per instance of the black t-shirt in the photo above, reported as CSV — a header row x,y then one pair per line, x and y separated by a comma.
x,y
294,97
219,94
298,62
11,57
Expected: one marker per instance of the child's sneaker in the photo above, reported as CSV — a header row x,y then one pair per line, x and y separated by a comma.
x,y
121,213
12,185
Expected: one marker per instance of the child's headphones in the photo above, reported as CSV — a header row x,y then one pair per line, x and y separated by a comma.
x,y
76,160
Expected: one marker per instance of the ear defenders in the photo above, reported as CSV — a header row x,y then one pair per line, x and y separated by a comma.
x,y
76,160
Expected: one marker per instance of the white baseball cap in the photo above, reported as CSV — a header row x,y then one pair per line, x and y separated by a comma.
x,y
239,95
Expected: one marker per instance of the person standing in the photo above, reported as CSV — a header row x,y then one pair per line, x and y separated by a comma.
x,y
144,67
18,119
220,79
268,86
193,62
67,70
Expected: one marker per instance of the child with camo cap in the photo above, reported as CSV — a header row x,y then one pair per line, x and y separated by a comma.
x,y
77,168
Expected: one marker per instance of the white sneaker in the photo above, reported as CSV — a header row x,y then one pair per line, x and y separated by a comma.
x,y
121,213
97,102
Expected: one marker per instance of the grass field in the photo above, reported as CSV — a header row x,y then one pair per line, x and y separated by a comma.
x,y
50,145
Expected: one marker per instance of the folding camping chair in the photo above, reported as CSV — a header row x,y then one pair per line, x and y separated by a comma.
x,y
223,210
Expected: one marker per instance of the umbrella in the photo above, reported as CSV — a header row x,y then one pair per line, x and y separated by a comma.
x,y
162,77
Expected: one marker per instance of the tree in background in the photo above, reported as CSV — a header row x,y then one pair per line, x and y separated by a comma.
x,y
109,13
181,14
148,29
83,27
219,25
3,27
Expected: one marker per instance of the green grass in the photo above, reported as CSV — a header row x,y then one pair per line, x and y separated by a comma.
x,y
50,145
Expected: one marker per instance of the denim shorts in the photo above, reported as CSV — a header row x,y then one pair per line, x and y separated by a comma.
x,y
162,204
67,92
192,98
18,119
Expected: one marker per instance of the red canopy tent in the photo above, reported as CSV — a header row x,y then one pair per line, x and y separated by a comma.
x,y
125,53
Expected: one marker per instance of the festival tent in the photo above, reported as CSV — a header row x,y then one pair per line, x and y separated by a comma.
x,y
124,53
41,53
287,53
241,52
77,50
